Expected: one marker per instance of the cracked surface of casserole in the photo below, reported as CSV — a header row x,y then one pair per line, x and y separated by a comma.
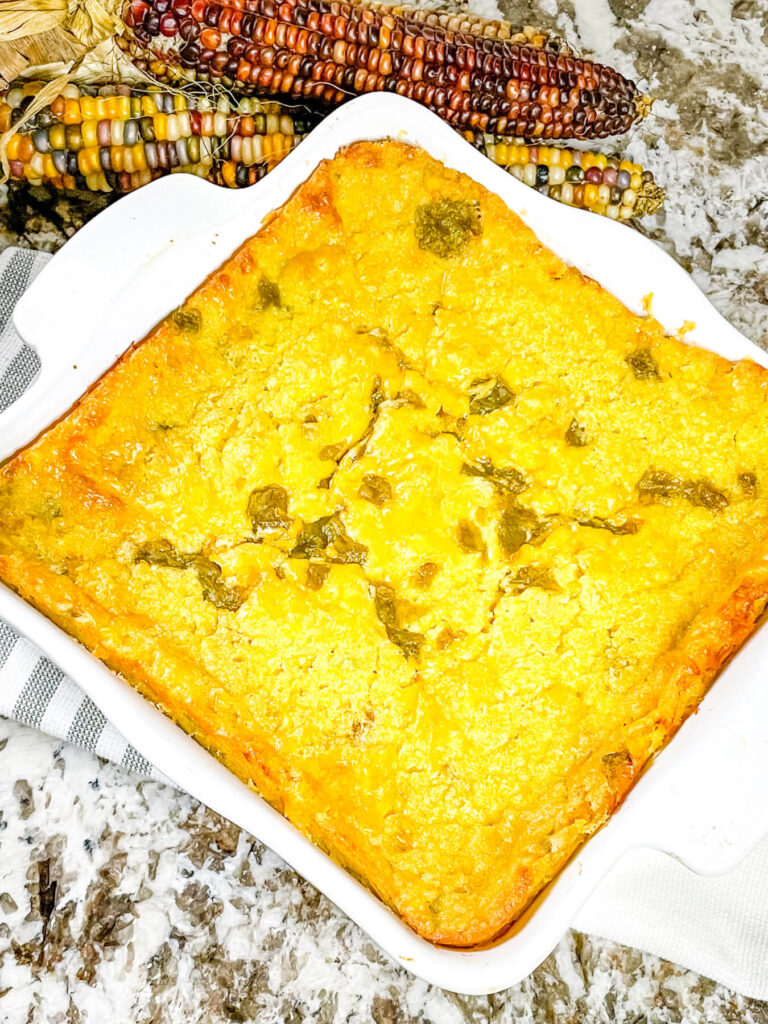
x,y
418,530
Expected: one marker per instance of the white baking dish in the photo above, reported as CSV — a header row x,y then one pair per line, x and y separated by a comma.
x,y
702,801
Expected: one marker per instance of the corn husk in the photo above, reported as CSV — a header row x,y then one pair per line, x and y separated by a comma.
x,y
17,56
89,21
39,32
103,63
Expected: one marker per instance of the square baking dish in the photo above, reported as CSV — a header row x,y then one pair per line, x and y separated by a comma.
x,y
702,799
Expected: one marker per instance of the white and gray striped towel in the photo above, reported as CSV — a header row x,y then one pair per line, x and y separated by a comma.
x,y
715,926
32,689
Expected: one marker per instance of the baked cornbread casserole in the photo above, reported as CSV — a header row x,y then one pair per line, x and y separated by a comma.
x,y
418,530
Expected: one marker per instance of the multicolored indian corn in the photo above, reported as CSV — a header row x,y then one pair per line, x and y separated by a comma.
x,y
609,185
115,139
331,51
469,23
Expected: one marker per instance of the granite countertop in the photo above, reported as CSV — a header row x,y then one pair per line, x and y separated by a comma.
x,y
124,900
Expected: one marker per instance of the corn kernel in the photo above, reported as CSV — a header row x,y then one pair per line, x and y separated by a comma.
x,y
12,149
635,180
556,175
172,128
57,136
37,164
26,148
228,174
90,133
72,113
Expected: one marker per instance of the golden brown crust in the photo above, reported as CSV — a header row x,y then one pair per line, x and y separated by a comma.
x,y
458,681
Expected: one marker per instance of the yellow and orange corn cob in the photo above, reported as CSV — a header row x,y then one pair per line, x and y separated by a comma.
x,y
330,51
609,185
115,139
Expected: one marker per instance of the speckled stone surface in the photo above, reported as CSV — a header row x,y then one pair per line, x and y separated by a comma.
x,y
123,900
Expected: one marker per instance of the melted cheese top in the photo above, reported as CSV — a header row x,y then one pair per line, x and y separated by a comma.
x,y
403,519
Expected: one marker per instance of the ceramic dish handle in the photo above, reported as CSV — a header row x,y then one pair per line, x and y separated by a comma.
x,y
707,806
89,316
31,407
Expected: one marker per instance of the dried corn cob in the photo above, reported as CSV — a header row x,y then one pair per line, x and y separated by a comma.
x,y
612,186
467,22
116,139
315,49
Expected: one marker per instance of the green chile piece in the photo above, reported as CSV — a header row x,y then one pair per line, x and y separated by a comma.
x,y
186,320
576,435
444,227
215,591
506,479
658,483
327,539
268,509
487,400
533,576
518,526
642,364
385,603
376,489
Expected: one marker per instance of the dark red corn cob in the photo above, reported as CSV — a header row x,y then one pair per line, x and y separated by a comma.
x,y
329,51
